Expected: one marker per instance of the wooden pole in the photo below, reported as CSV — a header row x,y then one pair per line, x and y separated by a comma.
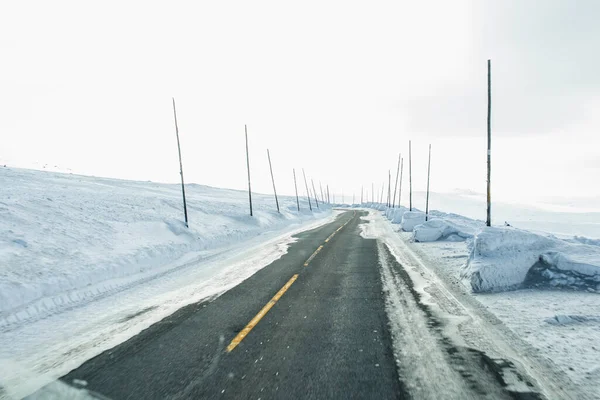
x,y
248,164
427,198
307,191
381,195
352,198
185,214
409,177
296,187
389,195
400,185
328,197
396,182
273,179
321,188
315,192
489,147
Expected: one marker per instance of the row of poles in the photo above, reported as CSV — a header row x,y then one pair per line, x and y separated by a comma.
x,y
324,195
390,201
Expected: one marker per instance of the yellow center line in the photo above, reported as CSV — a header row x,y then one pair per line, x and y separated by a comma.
x,y
313,255
244,332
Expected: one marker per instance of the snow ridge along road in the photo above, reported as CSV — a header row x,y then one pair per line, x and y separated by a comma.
x,y
353,323
462,322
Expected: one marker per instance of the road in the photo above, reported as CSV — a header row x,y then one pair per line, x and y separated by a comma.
x,y
313,324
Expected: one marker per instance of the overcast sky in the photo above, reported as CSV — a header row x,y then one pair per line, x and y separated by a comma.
x,y
335,87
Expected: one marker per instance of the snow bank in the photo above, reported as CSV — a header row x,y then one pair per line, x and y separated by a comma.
x,y
439,229
65,238
410,219
395,214
508,258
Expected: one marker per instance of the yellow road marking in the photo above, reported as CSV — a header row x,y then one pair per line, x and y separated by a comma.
x,y
244,332
313,255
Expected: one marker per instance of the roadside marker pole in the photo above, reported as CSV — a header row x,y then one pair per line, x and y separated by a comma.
x,y
273,179
307,191
314,192
489,147
427,200
400,185
185,214
396,182
296,187
248,164
409,177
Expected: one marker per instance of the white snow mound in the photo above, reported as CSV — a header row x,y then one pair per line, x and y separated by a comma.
x,y
65,239
410,219
507,258
439,229
395,214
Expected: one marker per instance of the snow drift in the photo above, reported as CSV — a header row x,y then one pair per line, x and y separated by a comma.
x,y
395,214
439,229
507,258
66,237
410,219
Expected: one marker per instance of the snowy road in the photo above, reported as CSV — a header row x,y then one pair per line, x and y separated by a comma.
x,y
337,316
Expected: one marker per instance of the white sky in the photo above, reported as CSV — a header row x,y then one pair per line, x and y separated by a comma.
x,y
336,87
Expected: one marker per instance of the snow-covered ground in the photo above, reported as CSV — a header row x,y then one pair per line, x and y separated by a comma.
x,y
547,288
86,263
68,238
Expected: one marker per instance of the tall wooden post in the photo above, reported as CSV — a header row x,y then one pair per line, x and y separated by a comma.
x,y
489,147
248,164
185,214
427,198
400,184
396,182
321,189
409,177
273,179
296,187
389,194
307,191
315,192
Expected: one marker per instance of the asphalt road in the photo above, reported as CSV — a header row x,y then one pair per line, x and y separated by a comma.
x,y
312,324
327,336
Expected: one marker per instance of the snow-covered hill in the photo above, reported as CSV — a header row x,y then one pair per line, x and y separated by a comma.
x,y
66,238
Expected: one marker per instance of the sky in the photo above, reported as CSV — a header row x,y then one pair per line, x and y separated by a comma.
x,y
336,88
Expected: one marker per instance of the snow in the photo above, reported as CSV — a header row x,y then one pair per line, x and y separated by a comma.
x,y
505,258
68,238
555,332
52,335
562,326
410,219
440,229
463,320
